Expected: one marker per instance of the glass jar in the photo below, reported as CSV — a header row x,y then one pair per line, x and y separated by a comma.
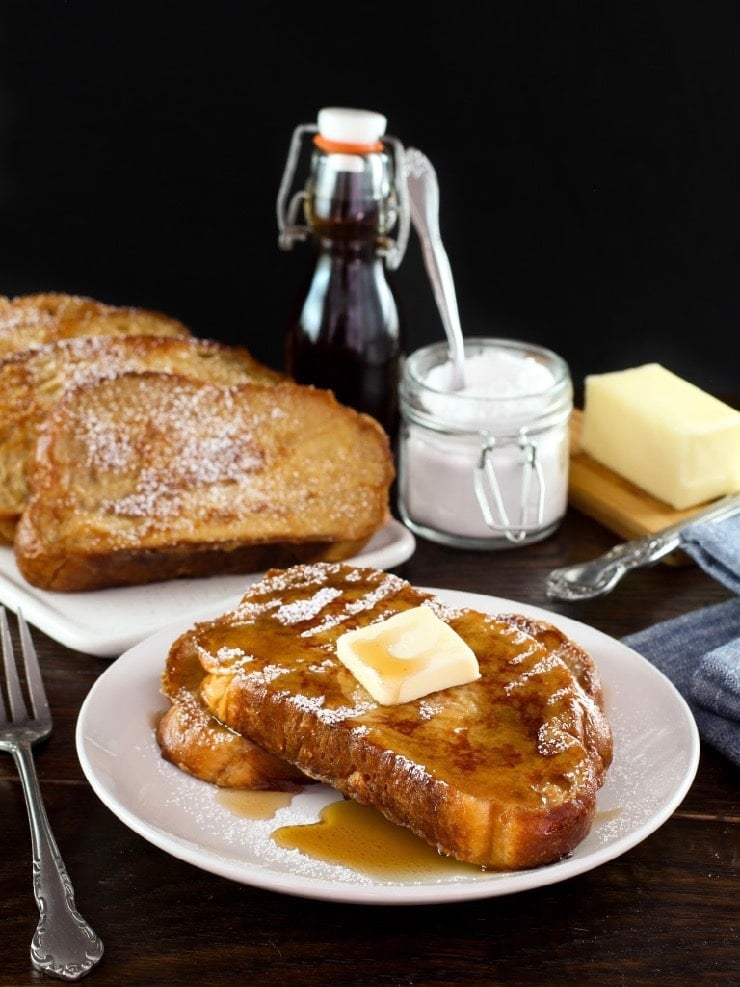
x,y
485,467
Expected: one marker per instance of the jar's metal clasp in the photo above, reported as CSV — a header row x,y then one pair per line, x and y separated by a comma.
x,y
490,498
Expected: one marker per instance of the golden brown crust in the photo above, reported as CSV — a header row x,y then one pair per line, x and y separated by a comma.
x,y
28,321
149,476
193,739
32,381
502,772
581,664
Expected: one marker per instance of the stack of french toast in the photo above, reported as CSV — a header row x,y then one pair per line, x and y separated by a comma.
x,y
132,451
500,770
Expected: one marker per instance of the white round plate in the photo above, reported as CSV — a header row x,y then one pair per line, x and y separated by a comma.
x,y
656,754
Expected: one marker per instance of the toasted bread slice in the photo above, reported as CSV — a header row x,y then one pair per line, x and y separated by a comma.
x,y
27,321
502,772
193,739
149,476
42,307
34,379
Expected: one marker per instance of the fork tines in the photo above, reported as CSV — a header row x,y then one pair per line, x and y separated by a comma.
x,y
34,682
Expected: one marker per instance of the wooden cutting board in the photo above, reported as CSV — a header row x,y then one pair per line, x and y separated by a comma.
x,y
616,503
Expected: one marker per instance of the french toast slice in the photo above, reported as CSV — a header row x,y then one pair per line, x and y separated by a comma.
x,y
27,321
149,476
32,380
191,737
502,772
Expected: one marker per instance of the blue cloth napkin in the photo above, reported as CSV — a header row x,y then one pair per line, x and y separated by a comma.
x,y
716,548
700,651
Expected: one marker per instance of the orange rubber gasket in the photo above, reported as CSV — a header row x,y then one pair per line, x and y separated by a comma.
x,y
335,147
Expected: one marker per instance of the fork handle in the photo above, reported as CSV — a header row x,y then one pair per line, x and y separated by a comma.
x,y
64,945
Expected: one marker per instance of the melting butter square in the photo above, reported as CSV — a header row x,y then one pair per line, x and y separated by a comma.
x,y
407,656
662,433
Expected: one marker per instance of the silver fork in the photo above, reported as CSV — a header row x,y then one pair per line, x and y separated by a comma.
x,y
64,945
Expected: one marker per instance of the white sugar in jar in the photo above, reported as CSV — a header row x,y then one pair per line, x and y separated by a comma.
x,y
486,466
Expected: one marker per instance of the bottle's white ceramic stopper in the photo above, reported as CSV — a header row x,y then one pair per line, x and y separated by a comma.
x,y
350,126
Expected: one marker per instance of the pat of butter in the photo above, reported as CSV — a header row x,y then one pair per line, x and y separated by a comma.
x,y
407,656
663,434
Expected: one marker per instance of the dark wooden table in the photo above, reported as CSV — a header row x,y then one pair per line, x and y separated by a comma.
x,y
666,912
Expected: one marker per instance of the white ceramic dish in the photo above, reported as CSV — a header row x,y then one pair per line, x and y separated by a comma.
x,y
656,757
107,622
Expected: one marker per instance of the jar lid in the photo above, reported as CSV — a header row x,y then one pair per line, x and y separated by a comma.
x,y
344,125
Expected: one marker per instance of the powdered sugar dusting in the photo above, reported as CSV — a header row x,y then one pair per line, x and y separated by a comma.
x,y
160,456
309,608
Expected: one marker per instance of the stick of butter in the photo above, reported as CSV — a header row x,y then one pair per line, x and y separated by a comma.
x,y
407,656
663,434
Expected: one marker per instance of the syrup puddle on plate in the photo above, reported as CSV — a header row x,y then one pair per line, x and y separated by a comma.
x,y
359,837
253,805
348,833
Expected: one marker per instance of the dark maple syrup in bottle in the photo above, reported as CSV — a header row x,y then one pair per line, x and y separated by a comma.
x,y
344,330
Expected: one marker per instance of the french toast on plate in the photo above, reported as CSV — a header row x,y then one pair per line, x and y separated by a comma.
x,y
148,476
191,737
501,772
33,380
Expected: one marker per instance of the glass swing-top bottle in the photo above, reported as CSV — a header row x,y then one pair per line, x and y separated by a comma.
x,y
345,331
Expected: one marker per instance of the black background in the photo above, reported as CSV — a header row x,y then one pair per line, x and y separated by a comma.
x,y
586,156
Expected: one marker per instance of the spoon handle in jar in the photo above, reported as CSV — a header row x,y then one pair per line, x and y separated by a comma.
x,y
423,192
